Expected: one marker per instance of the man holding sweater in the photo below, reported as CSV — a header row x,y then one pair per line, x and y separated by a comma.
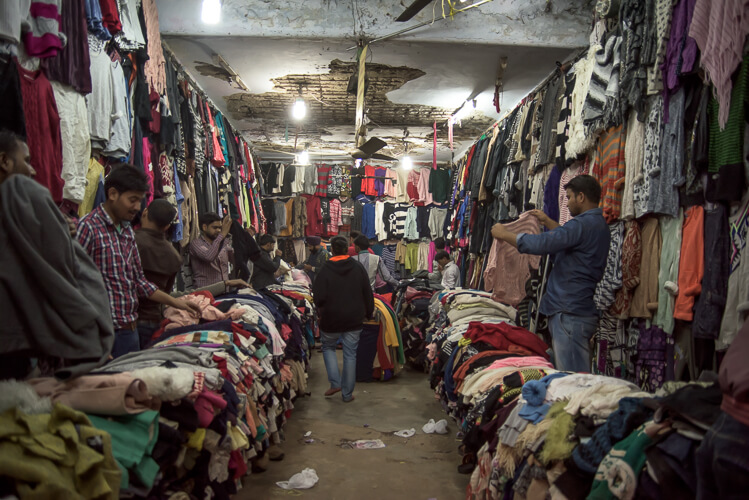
x,y
344,300
579,249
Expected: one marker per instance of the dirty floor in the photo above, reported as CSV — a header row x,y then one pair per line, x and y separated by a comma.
x,y
422,467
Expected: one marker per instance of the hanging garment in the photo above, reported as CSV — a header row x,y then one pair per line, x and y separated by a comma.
x,y
379,221
118,144
634,154
568,174
155,65
402,186
737,296
71,66
708,311
331,229
391,181
631,259
609,170
100,101
507,270
652,158
437,222
645,297
43,37
663,196
425,196
323,180
42,130
609,286
76,143
668,276
11,100
691,263
411,231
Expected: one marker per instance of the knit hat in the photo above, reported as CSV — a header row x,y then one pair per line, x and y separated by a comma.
x,y
313,240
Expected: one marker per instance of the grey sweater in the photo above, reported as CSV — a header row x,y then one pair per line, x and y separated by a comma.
x,y
52,295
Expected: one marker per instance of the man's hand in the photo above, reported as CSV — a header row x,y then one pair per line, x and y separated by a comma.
x,y
307,267
71,226
499,231
544,219
251,231
279,253
191,308
226,226
237,284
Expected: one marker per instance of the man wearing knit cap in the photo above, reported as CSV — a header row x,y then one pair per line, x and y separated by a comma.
x,y
579,249
318,255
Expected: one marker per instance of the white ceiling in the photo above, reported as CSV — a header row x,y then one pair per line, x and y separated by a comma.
x,y
263,39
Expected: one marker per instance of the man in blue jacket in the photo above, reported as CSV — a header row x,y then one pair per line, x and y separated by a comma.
x,y
579,249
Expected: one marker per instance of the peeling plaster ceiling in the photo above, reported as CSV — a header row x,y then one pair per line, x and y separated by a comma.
x,y
414,80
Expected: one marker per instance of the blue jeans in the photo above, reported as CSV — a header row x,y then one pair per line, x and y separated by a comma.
x,y
570,337
125,341
350,344
146,329
722,460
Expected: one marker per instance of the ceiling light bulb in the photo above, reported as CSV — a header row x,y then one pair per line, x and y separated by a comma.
x,y
211,12
299,111
303,158
407,163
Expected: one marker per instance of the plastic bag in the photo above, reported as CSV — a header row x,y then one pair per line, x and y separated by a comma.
x,y
300,481
432,427
406,433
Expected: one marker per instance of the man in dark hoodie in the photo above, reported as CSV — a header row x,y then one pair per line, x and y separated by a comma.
x,y
344,300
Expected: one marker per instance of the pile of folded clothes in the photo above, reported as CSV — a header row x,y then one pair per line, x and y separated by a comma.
x,y
529,431
193,413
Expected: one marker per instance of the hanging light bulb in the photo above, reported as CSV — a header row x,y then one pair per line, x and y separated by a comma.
x,y
303,158
299,111
211,12
407,163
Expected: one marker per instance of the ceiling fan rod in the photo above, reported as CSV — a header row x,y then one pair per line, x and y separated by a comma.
x,y
421,25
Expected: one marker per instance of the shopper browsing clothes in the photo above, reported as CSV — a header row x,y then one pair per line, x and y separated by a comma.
x,y
579,249
318,255
211,254
344,300
373,264
267,267
161,262
107,236
448,269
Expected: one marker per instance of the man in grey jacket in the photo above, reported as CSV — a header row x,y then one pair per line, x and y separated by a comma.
x,y
372,263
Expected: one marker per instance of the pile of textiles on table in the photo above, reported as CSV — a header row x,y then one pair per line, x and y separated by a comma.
x,y
380,353
187,415
531,432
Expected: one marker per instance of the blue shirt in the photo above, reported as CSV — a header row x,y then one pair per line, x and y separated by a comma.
x,y
579,249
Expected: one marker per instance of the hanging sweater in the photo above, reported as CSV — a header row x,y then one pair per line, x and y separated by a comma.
x,y
507,269
691,263
645,297
669,271
42,130
44,39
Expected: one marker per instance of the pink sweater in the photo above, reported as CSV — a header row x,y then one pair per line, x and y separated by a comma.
x,y
507,270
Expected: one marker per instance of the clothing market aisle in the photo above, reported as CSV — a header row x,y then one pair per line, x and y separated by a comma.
x,y
419,467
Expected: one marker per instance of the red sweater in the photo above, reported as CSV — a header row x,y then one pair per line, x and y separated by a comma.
x,y
503,336
42,130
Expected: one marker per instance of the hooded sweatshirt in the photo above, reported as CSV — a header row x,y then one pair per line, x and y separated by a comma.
x,y
342,295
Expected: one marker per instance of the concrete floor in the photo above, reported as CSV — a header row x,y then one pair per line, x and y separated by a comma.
x,y
422,467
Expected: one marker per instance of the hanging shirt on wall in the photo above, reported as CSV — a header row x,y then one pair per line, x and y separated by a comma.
x,y
368,183
336,181
323,179
335,218
347,215
42,130
298,185
391,180
368,221
289,178
439,184
310,179
357,180
401,188
380,180
314,216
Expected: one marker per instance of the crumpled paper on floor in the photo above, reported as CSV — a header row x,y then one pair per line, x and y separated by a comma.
x,y
406,433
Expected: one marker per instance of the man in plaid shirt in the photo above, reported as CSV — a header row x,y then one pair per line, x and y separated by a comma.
x,y
108,238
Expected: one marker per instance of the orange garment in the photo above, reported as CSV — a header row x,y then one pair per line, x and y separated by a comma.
x,y
609,170
691,263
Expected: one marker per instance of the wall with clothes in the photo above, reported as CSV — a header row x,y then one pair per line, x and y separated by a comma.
x,y
403,210
654,112
88,84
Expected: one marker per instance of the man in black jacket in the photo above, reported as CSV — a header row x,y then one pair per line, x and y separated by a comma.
x,y
266,267
344,300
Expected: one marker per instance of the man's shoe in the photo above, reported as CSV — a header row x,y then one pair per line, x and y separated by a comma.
x,y
275,453
332,391
350,399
